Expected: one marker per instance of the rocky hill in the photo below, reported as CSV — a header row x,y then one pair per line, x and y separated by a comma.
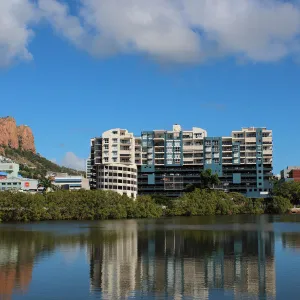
x,y
17,143
16,137
33,165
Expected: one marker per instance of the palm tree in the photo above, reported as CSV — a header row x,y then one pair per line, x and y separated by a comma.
x,y
47,184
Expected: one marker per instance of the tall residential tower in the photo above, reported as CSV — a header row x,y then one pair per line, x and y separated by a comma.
x,y
113,162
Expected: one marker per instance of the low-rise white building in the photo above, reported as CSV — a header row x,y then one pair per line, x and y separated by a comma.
x,y
10,179
19,184
66,181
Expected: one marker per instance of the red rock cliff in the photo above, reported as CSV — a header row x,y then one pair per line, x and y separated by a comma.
x,y
15,136
26,139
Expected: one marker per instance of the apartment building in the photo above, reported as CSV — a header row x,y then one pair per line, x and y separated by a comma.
x,y
167,161
113,162
88,168
243,161
291,173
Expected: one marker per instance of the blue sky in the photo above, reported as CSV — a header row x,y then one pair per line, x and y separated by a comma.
x,y
68,93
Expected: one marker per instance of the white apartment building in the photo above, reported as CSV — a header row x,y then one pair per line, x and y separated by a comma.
x,y
113,159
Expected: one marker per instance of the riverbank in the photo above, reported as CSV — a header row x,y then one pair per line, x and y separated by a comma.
x,y
99,205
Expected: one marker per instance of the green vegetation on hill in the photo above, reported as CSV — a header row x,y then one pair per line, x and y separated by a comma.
x,y
34,165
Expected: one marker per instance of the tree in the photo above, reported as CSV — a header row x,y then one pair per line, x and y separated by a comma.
x,y
279,205
208,179
161,199
289,190
47,184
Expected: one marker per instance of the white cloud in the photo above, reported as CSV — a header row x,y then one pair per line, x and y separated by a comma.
x,y
182,31
16,17
70,160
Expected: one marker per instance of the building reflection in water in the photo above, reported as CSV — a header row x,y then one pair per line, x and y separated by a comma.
x,y
291,241
14,272
18,251
176,264
114,261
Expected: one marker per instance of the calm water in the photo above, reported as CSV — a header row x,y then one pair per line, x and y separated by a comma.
x,y
242,257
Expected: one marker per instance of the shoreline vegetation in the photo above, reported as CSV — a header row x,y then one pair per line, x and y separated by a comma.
x,y
101,205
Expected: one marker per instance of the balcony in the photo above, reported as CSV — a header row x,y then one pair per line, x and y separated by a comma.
x,y
268,161
250,161
188,158
198,161
198,147
267,139
125,142
251,140
125,161
159,161
159,156
227,159
238,135
159,151
268,152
